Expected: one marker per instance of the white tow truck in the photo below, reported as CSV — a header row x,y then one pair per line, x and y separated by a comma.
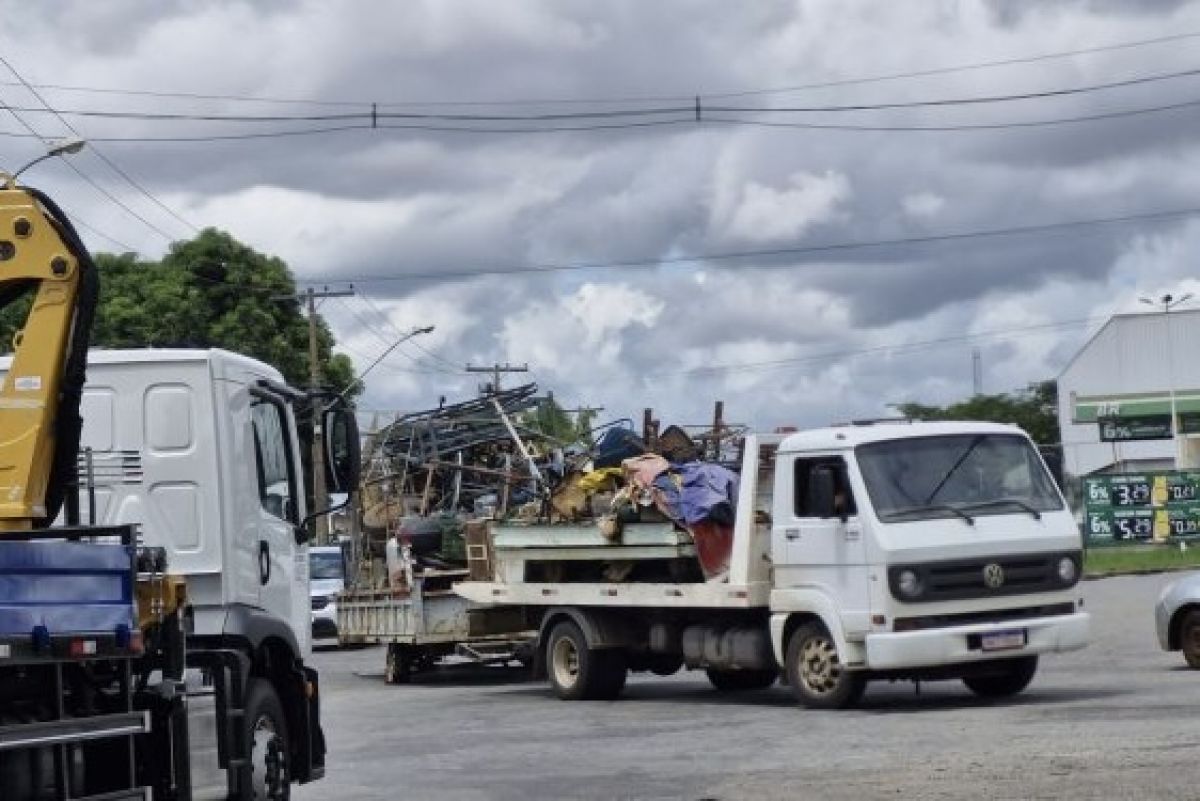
x,y
877,551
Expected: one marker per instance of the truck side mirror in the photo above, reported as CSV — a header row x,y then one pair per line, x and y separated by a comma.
x,y
821,492
343,450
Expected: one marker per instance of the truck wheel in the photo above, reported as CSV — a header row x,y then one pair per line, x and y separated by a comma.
x,y
1189,638
578,673
665,664
734,680
398,668
815,673
1011,676
267,739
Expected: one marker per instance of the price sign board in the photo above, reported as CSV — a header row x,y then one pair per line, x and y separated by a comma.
x,y
1154,506
1123,429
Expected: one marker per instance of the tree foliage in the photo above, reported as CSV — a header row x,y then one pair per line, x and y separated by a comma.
x,y
550,420
208,292
1035,409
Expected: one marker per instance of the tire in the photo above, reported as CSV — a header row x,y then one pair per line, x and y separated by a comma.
x,y
1189,638
816,675
267,740
728,681
665,664
399,668
580,674
1012,676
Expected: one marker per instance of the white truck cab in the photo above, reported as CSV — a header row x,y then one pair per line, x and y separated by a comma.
x,y
922,547
199,449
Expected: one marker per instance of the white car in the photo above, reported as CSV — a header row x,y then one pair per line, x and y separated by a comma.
x,y
1177,618
327,578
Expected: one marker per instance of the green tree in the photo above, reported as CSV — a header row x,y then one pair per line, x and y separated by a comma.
x,y
1034,409
211,291
549,420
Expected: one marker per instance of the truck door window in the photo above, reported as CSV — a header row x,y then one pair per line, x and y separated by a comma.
x,y
843,497
276,484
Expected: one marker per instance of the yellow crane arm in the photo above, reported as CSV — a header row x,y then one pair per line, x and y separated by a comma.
x,y
39,400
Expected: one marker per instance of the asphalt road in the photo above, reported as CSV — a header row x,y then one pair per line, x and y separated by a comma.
x,y
1120,719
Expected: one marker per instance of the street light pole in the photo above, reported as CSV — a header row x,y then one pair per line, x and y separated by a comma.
x,y
65,148
1169,302
426,330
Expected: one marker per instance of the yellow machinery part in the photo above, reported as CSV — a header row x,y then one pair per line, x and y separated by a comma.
x,y
31,251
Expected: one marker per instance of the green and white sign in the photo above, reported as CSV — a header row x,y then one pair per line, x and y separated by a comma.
x,y
1154,506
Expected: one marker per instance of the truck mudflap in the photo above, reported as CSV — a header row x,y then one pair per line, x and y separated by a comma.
x,y
311,764
977,642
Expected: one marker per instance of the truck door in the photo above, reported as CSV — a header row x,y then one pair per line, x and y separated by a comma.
x,y
818,546
279,512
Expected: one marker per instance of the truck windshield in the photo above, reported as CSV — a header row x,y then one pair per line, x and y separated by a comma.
x,y
325,565
958,475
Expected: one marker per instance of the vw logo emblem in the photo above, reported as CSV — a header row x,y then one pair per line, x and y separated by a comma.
x,y
993,576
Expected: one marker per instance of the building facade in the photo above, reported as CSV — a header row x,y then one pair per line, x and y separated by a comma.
x,y
1115,397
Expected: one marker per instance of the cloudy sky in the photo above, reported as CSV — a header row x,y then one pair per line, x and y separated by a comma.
x,y
793,263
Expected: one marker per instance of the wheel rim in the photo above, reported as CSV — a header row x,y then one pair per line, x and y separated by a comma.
x,y
820,670
268,761
565,662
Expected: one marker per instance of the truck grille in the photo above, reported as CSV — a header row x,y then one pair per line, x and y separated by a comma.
x,y
319,602
984,578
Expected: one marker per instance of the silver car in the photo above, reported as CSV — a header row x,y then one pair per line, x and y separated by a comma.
x,y
1177,618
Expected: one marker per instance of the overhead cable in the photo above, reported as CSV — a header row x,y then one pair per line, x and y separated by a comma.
x,y
100,155
800,250
851,81
696,107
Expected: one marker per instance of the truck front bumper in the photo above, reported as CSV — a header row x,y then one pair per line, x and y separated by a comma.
x,y
958,644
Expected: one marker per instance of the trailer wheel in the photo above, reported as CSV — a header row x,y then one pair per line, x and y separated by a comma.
x,y
1012,676
578,673
399,668
817,676
729,681
267,739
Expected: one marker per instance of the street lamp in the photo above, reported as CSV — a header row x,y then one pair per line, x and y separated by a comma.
x,y
1169,302
66,147
427,329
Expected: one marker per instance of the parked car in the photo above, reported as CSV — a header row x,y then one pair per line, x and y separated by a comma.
x,y
1177,618
327,578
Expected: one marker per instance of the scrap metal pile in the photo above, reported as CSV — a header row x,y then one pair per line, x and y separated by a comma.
x,y
430,472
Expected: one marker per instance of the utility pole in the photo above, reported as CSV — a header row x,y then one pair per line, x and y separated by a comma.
x,y
320,495
496,369
977,370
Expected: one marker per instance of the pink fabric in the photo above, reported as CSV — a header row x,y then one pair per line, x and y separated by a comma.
x,y
642,470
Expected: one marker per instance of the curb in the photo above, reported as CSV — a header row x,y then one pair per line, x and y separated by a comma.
x,y
1144,571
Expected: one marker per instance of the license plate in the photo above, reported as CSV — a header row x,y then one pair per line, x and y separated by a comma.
x,y
1003,640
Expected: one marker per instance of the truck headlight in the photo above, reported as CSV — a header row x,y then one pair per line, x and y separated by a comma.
x,y
1067,570
909,583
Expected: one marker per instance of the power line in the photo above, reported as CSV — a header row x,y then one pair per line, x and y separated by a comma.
x,y
695,107
876,78
966,101
880,349
99,154
75,218
33,132
389,343
679,122
986,126
432,354
978,65
803,250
